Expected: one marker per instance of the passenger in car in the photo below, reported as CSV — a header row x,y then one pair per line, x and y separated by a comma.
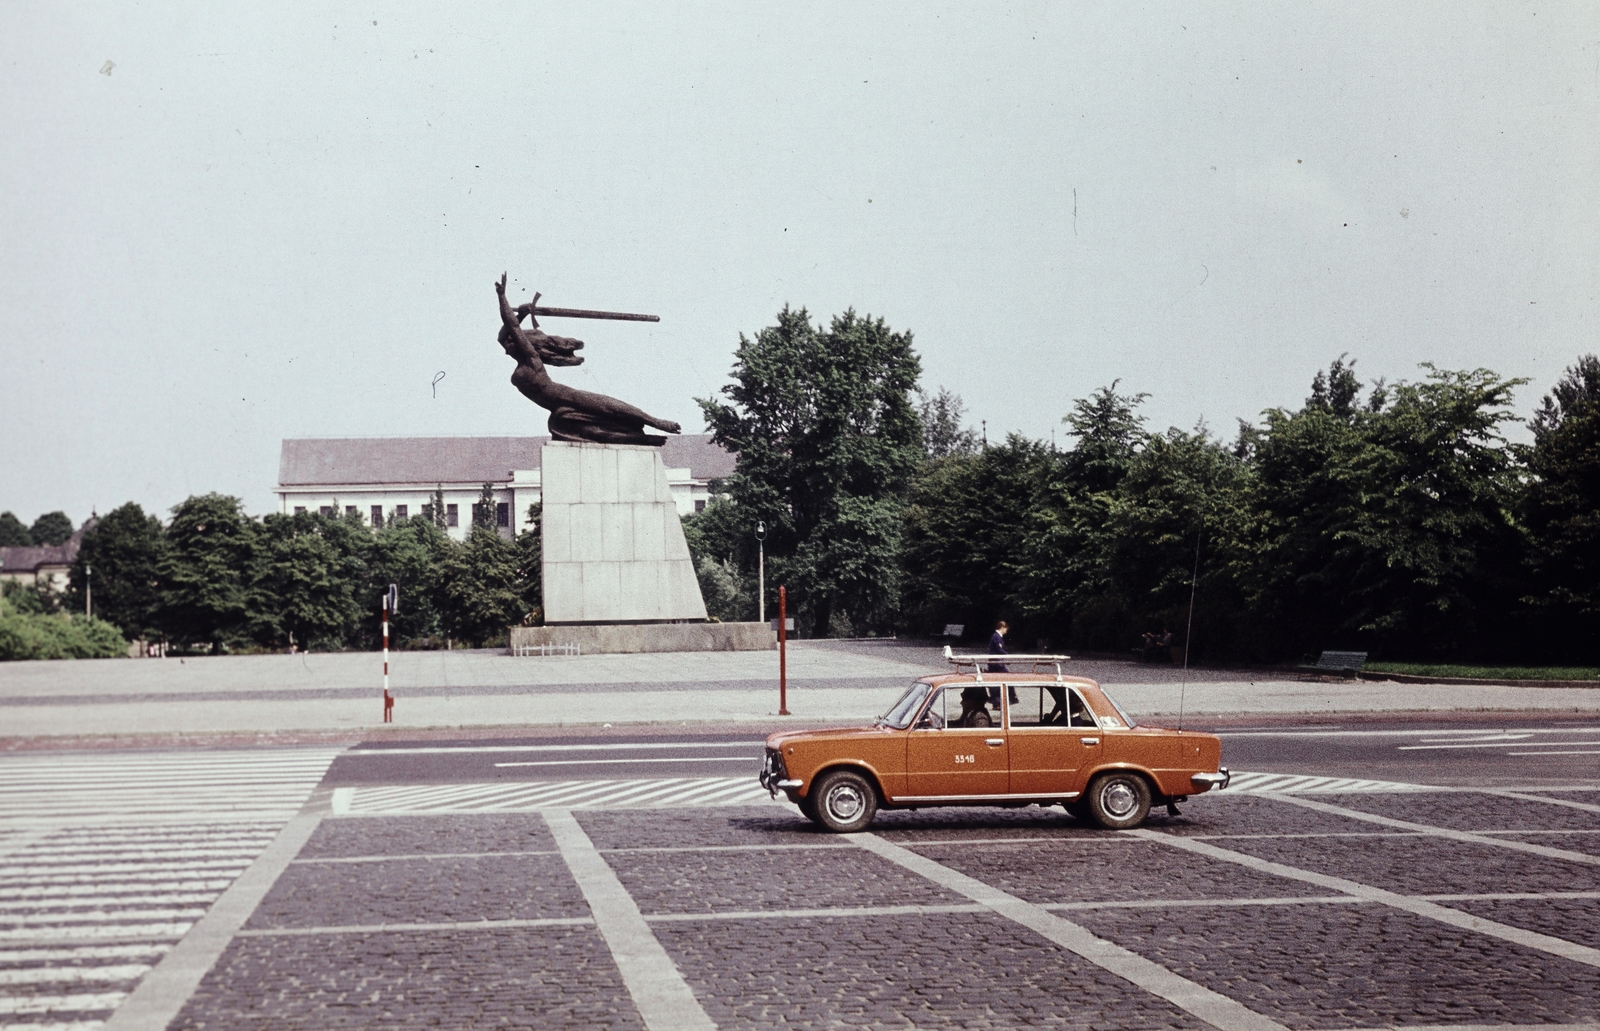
x,y
973,713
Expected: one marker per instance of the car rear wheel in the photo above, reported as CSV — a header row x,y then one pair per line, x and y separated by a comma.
x,y
845,801
1119,801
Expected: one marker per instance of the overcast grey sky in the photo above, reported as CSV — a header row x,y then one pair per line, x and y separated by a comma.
x,y
285,222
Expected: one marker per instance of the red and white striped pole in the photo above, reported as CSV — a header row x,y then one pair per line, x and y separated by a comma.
x,y
388,703
783,651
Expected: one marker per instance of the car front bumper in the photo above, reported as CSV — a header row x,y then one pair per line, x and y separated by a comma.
x,y
1206,781
774,777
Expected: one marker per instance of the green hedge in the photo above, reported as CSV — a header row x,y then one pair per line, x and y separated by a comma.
x,y
36,636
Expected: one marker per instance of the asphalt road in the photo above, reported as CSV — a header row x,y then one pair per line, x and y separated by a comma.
x,y
1459,751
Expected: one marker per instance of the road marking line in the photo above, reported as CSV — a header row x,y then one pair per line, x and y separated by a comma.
x,y
663,998
1513,896
74,975
426,855
14,1006
631,762
162,993
813,914
1502,792
1215,1009
465,925
369,753
1501,744
103,932
83,952
1443,832
1410,904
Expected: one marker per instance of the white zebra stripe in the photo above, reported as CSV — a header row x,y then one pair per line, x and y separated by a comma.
x,y
581,794
1251,783
16,1006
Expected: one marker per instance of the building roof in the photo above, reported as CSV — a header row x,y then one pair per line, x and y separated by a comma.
x,y
27,560
312,461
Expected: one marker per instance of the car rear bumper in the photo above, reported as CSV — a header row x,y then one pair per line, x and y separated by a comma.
x,y
1206,781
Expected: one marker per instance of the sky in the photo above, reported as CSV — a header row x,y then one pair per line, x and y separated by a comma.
x,y
227,225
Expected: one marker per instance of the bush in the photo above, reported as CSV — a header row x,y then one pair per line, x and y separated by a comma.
x,y
25,635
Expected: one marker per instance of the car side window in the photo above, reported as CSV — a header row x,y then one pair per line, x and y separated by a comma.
x,y
964,705
1050,705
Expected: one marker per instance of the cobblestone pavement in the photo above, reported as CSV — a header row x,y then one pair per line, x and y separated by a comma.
x,y
1247,913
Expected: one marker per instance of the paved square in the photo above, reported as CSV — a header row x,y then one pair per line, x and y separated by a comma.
x,y
1249,912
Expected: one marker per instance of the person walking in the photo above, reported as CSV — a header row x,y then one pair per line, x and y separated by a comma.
x,y
997,646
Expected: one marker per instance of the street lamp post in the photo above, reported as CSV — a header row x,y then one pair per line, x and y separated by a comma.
x,y
88,591
761,568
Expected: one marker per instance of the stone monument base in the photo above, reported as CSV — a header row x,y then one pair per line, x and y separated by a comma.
x,y
618,638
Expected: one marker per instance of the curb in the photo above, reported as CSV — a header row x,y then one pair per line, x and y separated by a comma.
x,y
1409,678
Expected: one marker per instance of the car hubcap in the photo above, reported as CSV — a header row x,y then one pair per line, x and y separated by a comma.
x,y
845,803
1118,799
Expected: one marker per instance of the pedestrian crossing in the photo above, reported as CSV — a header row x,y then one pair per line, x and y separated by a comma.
x,y
61,788
107,860
1251,783
695,792
677,792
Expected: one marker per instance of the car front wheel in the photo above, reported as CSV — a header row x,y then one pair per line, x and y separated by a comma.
x,y
845,801
1119,801
808,807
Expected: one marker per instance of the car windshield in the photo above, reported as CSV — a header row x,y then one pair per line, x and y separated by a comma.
x,y
906,708
1126,719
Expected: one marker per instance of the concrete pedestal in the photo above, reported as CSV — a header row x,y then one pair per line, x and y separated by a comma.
x,y
650,637
613,546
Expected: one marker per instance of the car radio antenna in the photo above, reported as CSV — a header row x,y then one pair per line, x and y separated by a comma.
x,y
1188,633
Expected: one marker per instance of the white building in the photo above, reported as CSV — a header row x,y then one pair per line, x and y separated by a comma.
x,y
384,478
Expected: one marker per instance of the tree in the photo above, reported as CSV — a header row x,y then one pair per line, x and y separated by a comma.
x,y
1388,526
408,553
205,572
124,548
1561,510
306,580
828,439
52,528
943,431
964,527
480,586
12,533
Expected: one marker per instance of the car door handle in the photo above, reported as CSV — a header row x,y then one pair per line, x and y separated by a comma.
x,y
994,742
1090,740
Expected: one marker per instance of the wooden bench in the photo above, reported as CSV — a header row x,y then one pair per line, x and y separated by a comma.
x,y
1345,664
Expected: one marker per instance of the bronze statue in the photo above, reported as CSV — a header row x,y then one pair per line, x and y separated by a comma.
x,y
577,415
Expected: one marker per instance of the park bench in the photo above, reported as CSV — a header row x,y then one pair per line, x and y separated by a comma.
x,y
1345,664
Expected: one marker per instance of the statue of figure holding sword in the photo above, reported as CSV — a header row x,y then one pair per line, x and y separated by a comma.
x,y
575,415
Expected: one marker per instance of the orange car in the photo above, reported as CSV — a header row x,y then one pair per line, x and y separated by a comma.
x,y
994,738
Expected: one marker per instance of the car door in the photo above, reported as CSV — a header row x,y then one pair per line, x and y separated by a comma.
x,y
946,760
1052,736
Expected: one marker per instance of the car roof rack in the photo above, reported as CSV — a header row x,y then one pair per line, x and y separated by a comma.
x,y
977,662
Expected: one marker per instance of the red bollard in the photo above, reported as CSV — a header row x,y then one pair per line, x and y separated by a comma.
x,y
783,651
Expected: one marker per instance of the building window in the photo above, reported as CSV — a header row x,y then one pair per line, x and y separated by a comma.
x,y
377,515
326,510
452,517
700,505
299,510
427,512
400,511
502,514
349,510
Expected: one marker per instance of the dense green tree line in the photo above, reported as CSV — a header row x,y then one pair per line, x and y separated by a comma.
x,y
1392,518
213,577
